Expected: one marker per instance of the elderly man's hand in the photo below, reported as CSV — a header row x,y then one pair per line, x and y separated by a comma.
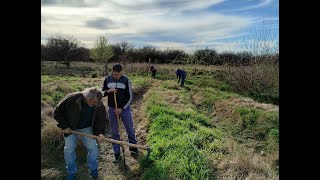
x,y
100,137
67,131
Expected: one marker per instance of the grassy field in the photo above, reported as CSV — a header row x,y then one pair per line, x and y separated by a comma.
x,y
182,140
205,130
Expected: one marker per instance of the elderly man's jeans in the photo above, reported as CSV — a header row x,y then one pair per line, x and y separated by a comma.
x,y
70,150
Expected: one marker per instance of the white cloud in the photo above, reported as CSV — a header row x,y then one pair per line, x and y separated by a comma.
x,y
144,22
167,45
259,5
176,5
199,26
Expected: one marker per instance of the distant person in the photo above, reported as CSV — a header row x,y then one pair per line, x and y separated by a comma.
x,y
83,112
122,86
153,71
181,74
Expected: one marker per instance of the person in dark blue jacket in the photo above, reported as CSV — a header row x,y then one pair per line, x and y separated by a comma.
x,y
181,74
153,71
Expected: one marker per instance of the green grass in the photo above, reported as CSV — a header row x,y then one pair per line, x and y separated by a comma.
x,y
255,124
205,81
210,89
48,78
252,126
213,95
55,88
181,134
209,97
140,82
268,96
181,142
170,84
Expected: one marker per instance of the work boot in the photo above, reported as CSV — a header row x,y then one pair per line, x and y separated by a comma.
x,y
94,174
117,158
71,177
134,151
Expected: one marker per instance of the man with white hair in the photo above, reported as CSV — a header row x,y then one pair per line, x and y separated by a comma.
x,y
83,112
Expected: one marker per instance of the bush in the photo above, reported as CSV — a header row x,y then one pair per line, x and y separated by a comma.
x,y
259,81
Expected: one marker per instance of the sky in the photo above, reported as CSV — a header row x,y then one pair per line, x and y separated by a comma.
x,y
222,25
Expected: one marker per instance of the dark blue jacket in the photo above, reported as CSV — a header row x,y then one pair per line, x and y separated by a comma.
x,y
181,74
124,91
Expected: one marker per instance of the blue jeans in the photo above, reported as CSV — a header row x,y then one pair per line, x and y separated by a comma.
x,y
70,153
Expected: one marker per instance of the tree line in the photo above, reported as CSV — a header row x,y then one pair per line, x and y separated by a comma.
x,y
66,50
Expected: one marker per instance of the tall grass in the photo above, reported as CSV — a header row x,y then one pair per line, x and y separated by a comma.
x,y
259,125
205,91
81,69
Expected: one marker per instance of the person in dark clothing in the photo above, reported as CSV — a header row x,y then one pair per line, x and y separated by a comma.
x,y
83,112
181,74
153,71
121,85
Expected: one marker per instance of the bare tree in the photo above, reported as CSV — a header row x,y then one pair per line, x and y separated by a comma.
x,y
206,56
257,72
262,39
63,49
124,46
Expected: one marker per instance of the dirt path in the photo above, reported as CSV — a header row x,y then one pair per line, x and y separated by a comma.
x,y
110,170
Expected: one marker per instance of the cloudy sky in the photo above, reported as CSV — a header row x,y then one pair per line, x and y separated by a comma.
x,y
224,25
